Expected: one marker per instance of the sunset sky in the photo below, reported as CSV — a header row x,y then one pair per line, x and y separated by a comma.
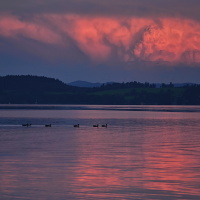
x,y
101,40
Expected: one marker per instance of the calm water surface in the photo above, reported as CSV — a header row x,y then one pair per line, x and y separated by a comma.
x,y
146,152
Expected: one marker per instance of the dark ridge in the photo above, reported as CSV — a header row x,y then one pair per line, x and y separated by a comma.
x,y
27,89
84,84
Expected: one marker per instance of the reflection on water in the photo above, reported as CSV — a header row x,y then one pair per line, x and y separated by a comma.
x,y
141,155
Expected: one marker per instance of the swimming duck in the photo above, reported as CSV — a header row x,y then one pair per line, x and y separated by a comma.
x,y
104,125
47,125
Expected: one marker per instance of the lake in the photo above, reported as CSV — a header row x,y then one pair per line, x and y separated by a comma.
x,y
146,152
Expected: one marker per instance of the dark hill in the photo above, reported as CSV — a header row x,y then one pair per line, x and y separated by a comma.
x,y
33,83
34,89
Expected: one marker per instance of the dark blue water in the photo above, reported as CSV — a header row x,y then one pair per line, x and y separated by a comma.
x,y
146,152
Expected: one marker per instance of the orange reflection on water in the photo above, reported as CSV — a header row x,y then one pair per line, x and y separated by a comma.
x,y
104,171
118,162
165,162
170,166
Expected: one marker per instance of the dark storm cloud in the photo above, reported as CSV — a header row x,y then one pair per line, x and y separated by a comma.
x,y
183,8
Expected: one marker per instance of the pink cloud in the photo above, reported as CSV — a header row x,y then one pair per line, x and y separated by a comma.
x,y
124,39
170,42
14,27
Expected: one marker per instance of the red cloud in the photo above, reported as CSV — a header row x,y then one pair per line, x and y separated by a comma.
x,y
176,41
14,27
172,40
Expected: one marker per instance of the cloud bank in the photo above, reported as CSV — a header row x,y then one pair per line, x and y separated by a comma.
x,y
127,34
170,41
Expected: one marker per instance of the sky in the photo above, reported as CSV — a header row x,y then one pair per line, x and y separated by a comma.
x,y
101,40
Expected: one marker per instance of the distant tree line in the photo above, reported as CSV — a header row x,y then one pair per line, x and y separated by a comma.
x,y
134,84
42,90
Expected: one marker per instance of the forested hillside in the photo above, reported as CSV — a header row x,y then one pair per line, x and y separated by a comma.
x,y
42,90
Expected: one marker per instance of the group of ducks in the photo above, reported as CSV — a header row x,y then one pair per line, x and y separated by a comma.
x,y
95,125
76,125
28,125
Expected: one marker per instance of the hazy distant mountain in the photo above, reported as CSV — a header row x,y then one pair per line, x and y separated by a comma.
x,y
84,84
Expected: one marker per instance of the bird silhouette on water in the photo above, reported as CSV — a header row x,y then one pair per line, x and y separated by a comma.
x,y
27,125
48,125
76,125
104,125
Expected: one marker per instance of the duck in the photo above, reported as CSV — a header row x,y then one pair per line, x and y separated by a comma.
x,y
104,125
26,125
76,125
96,125
47,125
